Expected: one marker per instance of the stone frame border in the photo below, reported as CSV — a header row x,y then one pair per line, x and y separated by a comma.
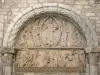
x,y
82,22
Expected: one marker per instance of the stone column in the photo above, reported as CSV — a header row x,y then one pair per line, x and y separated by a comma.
x,y
99,64
7,61
87,64
93,63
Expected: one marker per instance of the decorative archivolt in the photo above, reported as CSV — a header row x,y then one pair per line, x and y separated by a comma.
x,y
61,9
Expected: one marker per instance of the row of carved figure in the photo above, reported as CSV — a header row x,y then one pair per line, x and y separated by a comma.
x,y
50,58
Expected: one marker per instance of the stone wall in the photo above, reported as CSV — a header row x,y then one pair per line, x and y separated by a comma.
x,y
9,9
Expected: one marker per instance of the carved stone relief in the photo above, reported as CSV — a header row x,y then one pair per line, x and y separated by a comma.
x,y
47,44
50,58
50,31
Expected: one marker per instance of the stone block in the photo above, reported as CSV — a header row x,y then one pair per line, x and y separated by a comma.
x,y
22,5
76,10
32,1
1,18
91,1
93,70
65,6
98,22
97,25
16,13
94,18
20,0
29,73
51,1
69,1
90,14
1,33
7,70
81,2
15,9
98,29
3,12
35,6
87,7
42,1
5,17
50,4
79,7
19,73
1,26
1,39
61,1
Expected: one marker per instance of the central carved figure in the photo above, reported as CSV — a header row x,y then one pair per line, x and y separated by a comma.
x,y
50,32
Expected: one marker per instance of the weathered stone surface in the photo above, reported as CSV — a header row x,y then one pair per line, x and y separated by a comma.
x,y
87,7
90,14
79,7
69,1
3,12
2,18
81,2
51,1
20,1
1,35
22,5
1,26
32,1
15,13
98,29
7,70
42,1
12,10
61,1
15,9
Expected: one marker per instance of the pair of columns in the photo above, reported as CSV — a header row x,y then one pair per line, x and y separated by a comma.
x,y
8,54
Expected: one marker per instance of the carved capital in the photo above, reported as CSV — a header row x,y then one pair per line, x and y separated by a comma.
x,y
7,54
7,59
7,51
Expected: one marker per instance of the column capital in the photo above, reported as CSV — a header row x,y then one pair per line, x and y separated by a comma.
x,y
7,56
7,50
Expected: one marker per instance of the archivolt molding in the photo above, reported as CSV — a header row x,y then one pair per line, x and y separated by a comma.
x,y
61,9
